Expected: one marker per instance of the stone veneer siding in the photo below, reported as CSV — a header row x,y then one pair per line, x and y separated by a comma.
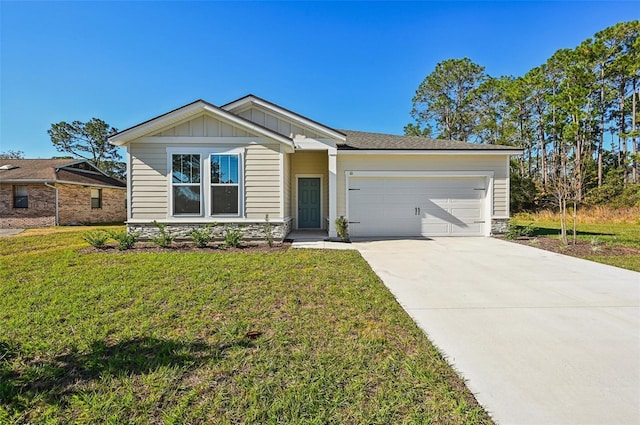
x,y
251,231
41,209
75,205
499,226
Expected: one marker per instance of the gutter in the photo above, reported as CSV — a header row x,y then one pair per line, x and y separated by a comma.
x,y
57,212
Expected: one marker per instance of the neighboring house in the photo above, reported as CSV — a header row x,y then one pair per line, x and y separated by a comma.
x,y
235,164
48,192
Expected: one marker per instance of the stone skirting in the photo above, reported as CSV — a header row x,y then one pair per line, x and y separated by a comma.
x,y
499,226
181,231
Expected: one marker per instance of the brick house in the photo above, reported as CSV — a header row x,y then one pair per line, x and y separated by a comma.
x,y
48,192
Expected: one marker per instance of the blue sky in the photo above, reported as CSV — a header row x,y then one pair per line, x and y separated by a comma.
x,y
350,65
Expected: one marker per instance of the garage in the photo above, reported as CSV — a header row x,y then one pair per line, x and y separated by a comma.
x,y
408,205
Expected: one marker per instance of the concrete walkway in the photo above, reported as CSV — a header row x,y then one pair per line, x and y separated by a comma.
x,y
10,232
540,338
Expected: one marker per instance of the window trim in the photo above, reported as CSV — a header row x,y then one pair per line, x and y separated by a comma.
x,y
16,197
99,198
212,185
205,180
172,185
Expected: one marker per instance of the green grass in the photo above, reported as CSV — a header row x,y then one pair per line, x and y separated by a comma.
x,y
612,235
162,338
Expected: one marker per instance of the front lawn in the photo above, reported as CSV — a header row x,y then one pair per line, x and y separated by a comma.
x,y
299,336
616,244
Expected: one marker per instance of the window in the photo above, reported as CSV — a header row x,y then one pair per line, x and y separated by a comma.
x,y
20,197
225,181
185,180
96,198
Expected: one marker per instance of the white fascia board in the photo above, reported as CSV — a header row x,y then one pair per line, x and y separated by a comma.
x,y
428,152
292,116
306,143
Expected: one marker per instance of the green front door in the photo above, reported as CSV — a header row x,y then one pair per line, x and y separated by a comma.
x,y
309,203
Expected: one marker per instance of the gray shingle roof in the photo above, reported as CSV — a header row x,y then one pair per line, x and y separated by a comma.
x,y
376,141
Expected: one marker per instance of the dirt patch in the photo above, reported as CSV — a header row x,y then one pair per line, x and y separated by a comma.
x,y
579,249
247,247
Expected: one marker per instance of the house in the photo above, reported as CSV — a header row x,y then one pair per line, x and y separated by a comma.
x,y
48,192
236,164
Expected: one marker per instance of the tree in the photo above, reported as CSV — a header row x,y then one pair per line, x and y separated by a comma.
x,y
11,154
446,98
89,141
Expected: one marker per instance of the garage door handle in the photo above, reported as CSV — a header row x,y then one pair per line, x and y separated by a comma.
x,y
479,221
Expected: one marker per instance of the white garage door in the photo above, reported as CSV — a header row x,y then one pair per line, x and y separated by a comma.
x,y
416,206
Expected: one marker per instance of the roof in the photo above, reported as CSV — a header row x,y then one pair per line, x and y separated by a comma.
x,y
75,171
360,140
190,109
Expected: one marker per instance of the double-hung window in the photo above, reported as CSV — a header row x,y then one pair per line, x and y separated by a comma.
x,y
225,184
20,197
185,180
96,198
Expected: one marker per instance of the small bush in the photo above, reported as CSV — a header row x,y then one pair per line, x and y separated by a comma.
x,y
96,238
515,231
268,231
202,236
232,236
165,238
125,239
342,228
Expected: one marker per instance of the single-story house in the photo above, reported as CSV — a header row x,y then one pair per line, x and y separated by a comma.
x,y
48,192
237,163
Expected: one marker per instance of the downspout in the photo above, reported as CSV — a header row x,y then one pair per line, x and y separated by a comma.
x,y
56,189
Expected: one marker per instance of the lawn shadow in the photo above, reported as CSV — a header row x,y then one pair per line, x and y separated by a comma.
x,y
67,374
546,231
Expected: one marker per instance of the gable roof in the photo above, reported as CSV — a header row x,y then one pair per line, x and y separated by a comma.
x,y
74,171
253,99
360,140
188,110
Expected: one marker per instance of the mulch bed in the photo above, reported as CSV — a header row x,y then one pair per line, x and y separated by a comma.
x,y
149,247
580,249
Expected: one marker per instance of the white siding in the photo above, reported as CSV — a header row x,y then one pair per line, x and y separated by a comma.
x,y
262,181
149,193
495,163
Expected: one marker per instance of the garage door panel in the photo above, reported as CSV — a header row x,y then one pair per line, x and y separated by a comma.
x,y
416,206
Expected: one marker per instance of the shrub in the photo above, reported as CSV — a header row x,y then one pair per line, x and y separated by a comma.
x,y
232,236
165,238
125,239
342,228
96,238
202,236
515,231
268,231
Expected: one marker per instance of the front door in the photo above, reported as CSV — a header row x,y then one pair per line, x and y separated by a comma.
x,y
308,202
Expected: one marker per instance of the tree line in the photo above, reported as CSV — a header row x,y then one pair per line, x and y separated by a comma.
x,y
577,117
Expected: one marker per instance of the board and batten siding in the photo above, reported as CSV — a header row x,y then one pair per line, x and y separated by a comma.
x,y
448,163
275,122
203,126
310,163
149,179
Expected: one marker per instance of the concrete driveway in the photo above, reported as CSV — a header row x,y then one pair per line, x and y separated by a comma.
x,y
540,338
